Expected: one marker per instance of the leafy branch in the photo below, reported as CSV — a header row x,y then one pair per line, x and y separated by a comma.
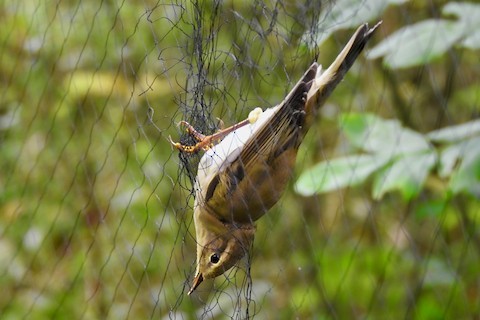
x,y
398,158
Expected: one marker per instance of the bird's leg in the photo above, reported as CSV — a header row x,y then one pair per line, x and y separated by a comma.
x,y
205,142
192,131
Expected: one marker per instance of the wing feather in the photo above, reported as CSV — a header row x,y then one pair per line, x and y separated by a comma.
x,y
233,194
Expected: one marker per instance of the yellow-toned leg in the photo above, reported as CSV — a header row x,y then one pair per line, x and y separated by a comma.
x,y
205,142
192,131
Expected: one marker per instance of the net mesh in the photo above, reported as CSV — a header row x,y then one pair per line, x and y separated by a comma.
x,y
97,207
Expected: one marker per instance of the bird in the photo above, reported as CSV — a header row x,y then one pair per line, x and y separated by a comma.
x,y
246,167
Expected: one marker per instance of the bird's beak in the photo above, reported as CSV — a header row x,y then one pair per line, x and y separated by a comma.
x,y
196,282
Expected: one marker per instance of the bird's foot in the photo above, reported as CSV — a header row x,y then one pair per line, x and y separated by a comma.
x,y
205,142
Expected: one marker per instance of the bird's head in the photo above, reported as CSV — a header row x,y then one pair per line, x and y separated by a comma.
x,y
216,256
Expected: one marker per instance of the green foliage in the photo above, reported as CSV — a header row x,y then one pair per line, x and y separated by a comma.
x,y
96,217
399,158
347,14
427,40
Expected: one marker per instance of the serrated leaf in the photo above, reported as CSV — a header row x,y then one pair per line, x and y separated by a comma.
x,y
406,174
418,44
338,173
455,133
376,135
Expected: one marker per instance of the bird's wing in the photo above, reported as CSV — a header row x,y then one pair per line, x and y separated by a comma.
x,y
279,133
243,183
234,192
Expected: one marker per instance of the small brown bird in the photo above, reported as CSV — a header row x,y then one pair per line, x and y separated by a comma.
x,y
240,178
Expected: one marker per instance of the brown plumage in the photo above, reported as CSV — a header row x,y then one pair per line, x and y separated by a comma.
x,y
243,176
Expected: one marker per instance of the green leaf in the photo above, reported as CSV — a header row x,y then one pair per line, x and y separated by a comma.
x,y
406,175
468,15
467,98
418,44
347,14
439,273
431,208
455,133
338,173
472,41
454,153
356,127
376,135
467,177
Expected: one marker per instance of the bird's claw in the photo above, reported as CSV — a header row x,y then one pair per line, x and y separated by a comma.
x,y
205,142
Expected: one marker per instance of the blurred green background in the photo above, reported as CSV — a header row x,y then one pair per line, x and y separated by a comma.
x,y
96,206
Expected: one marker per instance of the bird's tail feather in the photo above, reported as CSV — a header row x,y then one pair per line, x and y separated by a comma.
x,y
325,82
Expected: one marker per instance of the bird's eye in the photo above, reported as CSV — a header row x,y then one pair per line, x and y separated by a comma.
x,y
214,258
